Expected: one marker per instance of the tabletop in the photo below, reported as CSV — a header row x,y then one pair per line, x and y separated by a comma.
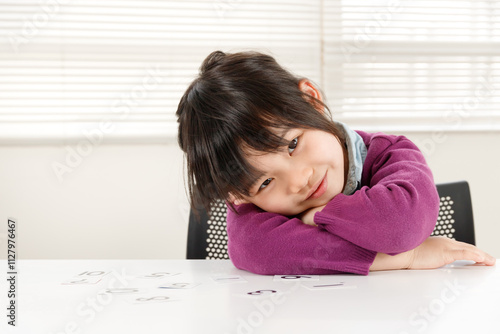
x,y
212,296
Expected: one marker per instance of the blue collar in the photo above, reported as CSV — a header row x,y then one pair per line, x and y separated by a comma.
x,y
356,153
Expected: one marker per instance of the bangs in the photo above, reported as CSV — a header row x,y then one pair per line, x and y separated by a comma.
x,y
261,135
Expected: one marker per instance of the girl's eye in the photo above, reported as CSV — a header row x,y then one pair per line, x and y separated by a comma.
x,y
265,183
293,145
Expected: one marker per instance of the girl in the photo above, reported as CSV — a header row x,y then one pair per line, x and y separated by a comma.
x,y
306,195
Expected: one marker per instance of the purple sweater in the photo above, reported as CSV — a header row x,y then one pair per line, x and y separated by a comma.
x,y
394,211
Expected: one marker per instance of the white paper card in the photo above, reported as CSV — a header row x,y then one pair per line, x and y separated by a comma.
x,y
321,285
151,299
294,278
179,285
227,279
259,294
86,277
157,275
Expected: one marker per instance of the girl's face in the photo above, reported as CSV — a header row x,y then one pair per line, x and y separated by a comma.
x,y
306,174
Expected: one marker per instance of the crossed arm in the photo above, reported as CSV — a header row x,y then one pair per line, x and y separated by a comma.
x,y
271,244
385,225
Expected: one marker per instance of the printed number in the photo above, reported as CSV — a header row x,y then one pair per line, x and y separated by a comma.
x,y
260,292
11,224
226,278
92,273
122,290
81,281
295,277
157,275
158,298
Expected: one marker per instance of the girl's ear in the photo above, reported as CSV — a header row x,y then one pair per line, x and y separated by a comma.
x,y
312,94
236,201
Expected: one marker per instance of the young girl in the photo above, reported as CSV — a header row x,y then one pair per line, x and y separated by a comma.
x,y
306,195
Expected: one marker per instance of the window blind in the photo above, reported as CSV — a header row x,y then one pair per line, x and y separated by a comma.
x,y
413,65
115,70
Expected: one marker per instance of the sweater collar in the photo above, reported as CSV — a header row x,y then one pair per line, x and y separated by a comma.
x,y
356,153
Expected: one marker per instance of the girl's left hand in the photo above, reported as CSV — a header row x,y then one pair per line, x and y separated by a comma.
x,y
307,216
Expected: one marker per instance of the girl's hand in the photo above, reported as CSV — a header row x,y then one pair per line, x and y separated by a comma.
x,y
435,252
307,216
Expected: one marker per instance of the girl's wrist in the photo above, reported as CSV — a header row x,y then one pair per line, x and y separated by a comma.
x,y
307,216
392,262
410,258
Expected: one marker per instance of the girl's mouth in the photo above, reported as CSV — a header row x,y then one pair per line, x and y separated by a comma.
x,y
320,188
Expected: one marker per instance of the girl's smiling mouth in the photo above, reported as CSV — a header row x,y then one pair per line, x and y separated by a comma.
x,y
320,189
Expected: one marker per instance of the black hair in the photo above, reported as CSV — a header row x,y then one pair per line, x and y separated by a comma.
x,y
238,102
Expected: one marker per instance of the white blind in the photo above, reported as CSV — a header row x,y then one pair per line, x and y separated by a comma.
x,y
414,65
115,70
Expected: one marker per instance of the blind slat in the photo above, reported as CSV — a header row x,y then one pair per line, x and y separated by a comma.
x,y
72,64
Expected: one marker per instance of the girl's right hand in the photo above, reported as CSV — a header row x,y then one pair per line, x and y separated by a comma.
x,y
435,252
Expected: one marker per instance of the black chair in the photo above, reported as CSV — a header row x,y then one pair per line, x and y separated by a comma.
x,y
207,237
455,220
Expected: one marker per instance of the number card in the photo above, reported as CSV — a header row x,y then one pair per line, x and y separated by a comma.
x,y
144,300
292,278
86,277
123,291
157,275
227,279
327,285
259,294
179,285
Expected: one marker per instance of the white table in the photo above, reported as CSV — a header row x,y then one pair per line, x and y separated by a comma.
x,y
459,298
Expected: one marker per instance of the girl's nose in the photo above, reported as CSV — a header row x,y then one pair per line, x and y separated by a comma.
x,y
299,179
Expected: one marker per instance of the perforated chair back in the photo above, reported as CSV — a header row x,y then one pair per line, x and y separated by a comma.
x,y
207,237
456,220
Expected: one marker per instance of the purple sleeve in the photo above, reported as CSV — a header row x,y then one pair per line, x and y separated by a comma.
x,y
396,210
271,244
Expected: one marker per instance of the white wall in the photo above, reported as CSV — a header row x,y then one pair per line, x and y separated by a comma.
x,y
128,201
473,157
122,201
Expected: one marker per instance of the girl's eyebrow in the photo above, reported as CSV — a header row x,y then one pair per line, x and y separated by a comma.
x,y
285,133
290,134
281,132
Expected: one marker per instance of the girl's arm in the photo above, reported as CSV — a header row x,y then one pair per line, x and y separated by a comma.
x,y
398,208
434,252
272,244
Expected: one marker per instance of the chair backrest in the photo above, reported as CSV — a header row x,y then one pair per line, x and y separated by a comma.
x,y
207,237
455,219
